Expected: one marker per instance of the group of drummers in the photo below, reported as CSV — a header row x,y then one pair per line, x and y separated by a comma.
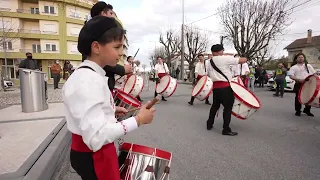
x,y
99,113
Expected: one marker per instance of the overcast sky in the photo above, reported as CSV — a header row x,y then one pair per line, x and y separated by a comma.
x,y
145,19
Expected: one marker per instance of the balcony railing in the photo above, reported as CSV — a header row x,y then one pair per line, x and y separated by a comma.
x,y
5,9
49,32
30,50
29,31
28,11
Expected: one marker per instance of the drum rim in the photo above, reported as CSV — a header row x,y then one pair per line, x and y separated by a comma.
x,y
196,94
134,82
175,88
161,154
138,103
245,102
315,93
238,116
166,85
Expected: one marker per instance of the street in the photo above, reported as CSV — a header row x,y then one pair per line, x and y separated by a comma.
x,y
272,144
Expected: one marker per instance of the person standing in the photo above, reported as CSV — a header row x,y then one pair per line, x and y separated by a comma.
x,y
280,78
161,69
29,63
67,70
262,76
200,71
218,69
134,66
299,72
252,78
55,72
241,70
177,72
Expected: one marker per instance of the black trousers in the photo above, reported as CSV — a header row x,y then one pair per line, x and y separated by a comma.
x,y
155,92
82,163
261,81
280,87
297,104
225,97
56,80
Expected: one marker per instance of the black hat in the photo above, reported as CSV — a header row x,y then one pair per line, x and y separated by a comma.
x,y
92,31
217,48
99,7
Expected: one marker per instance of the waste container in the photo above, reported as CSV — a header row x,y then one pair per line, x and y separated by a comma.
x,y
33,90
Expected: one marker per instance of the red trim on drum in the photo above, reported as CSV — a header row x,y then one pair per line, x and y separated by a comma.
x,y
146,150
166,85
141,87
209,92
174,89
245,102
201,86
120,92
238,116
134,82
315,92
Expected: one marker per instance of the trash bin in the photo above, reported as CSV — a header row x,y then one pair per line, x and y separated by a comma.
x,y
33,90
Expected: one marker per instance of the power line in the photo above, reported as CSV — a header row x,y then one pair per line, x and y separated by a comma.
x,y
305,7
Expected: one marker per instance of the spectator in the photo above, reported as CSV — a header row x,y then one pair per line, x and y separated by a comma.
x,y
67,70
280,78
29,63
55,72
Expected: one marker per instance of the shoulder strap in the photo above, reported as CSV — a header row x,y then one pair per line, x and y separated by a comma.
x,y
307,67
204,64
86,67
217,69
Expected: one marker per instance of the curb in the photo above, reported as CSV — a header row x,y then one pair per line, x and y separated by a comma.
x,y
44,161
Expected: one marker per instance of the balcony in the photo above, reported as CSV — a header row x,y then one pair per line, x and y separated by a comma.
x,y
30,51
32,31
29,11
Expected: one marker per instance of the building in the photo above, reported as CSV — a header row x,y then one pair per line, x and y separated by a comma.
x,y
310,46
48,29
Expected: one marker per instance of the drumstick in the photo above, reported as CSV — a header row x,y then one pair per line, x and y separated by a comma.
x,y
153,102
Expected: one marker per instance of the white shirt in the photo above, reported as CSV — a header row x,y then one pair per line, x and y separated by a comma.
x,y
135,67
90,109
223,63
236,69
161,68
299,71
200,68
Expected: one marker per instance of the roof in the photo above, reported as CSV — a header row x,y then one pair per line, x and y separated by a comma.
x,y
301,43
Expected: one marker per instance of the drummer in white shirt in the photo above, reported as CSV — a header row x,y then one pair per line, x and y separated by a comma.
x,y
299,72
134,71
89,105
200,71
222,91
241,70
161,69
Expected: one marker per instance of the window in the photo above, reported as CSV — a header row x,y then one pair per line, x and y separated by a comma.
x,y
49,28
36,48
74,48
49,9
34,10
75,31
51,47
75,14
7,45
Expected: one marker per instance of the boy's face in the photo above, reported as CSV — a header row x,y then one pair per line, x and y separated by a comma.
x,y
109,53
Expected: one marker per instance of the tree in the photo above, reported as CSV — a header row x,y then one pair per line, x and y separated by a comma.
x,y
171,43
252,24
160,51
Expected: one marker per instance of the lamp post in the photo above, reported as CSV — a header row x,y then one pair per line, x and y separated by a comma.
x,y
182,42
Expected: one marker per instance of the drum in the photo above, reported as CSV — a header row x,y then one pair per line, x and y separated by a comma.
x,y
245,103
120,81
203,88
237,79
309,93
144,163
125,100
167,86
133,85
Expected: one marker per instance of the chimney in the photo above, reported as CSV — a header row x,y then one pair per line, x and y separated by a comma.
x,y
309,38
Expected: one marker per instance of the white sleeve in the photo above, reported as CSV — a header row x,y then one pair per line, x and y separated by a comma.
x,y
197,68
97,127
245,67
166,66
311,69
230,60
292,71
207,67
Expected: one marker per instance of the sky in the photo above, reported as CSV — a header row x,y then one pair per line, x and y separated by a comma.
x,y
144,20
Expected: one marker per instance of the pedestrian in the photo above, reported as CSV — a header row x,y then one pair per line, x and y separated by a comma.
x,y
56,74
280,79
252,78
161,69
218,69
262,76
29,63
89,105
67,70
299,72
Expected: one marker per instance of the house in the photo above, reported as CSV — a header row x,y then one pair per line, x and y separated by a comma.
x,y
310,46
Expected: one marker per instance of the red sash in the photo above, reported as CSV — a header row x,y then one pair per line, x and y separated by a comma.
x,y
160,75
105,160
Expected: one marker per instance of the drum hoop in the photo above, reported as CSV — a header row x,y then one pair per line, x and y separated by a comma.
x,y
134,83
161,154
166,85
210,92
138,103
315,93
142,85
174,90
238,116
245,102
201,86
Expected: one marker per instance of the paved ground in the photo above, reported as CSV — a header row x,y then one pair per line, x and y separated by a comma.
x,y
272,144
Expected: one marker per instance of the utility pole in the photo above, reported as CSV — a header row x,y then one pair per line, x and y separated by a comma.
x,y
182,42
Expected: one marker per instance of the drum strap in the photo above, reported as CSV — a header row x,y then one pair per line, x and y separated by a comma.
x,y
217,69
86,67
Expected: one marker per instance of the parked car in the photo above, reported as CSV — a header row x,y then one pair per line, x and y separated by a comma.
x,y
290,84
8,84
269,74
318,72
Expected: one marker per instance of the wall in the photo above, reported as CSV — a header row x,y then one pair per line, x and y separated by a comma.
x,y
71,27
10,24
53,30
26,7
28,45
31,26
13,5
43,43
72,47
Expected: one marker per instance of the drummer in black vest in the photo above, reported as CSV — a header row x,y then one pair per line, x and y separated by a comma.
x,y
200,71
218,69
103,9
299,72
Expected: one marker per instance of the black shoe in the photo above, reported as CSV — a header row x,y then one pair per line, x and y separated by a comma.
x,y
308,113
163,99
298,113
275,95
207,102
191,103
209,125
229,133
281,96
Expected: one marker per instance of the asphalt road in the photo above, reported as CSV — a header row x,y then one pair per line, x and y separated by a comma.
x,y
272,145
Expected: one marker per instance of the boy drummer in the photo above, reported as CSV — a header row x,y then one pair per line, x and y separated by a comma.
x,y
89,106
161,70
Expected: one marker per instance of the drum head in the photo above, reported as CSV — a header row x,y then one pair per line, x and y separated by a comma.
x,y
129,85
309,90
199,86
163,85
245,96
127,98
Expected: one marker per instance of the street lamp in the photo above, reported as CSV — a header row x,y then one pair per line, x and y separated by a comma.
x,y
182,42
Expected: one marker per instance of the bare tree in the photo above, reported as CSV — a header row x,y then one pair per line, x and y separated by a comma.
x,y
160,51
251,24
171,43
